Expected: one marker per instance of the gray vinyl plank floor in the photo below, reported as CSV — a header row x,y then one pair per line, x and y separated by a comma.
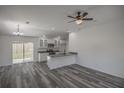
x,y
38,75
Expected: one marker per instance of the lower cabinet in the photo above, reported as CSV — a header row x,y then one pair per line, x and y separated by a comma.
x,y
43,57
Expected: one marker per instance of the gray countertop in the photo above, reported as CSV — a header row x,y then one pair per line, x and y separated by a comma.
x,y
47,51
62,54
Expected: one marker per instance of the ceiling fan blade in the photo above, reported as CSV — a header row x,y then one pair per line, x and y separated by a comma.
x,y
85,14
71,21
88,19
78,13
71,17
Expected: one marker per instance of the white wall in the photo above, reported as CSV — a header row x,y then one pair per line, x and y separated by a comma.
x,y
101,46
6,48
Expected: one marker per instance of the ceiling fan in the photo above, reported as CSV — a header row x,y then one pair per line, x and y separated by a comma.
x,y
80,17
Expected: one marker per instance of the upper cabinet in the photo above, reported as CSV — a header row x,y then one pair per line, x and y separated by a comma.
x,y
43,43
53,43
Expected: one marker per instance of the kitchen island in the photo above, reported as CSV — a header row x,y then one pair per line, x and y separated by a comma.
x,y
60,60
42,54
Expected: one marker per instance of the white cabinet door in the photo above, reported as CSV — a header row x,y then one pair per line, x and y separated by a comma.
x,y
43,57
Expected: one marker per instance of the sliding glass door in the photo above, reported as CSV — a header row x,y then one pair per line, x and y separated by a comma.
x,y
22,52
28,52
17,52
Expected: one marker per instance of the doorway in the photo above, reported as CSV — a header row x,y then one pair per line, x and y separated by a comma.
x,y
22,52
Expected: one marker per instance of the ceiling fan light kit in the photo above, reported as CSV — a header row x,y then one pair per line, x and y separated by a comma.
x,y
78,22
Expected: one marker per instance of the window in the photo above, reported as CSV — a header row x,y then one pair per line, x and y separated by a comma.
x,y
22,52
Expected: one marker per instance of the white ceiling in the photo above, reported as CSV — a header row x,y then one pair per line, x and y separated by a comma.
x,y
48,20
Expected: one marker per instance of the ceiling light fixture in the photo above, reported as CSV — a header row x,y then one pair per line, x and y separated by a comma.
x,y
18,33
80,17
78,22
27,22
